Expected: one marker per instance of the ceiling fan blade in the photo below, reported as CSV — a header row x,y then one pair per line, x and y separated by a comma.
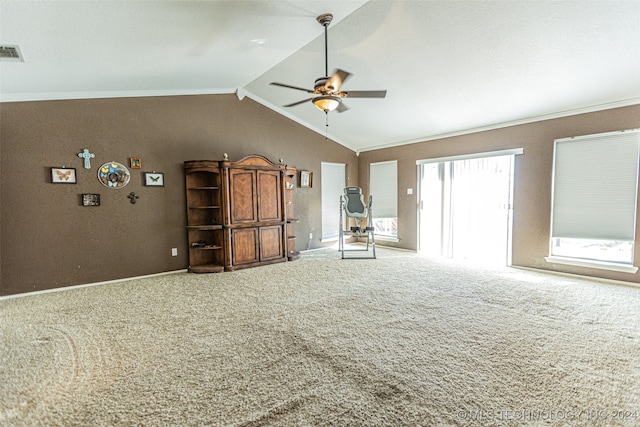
x,y
298,103
365,93
341,108
291,87
336,80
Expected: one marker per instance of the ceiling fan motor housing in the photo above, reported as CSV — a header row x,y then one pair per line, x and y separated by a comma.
x,y
319,86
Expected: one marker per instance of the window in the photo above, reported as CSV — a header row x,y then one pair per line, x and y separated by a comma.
x,y
383,186
595,186
332,187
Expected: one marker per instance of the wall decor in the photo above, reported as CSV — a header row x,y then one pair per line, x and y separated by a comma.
x,y
87,156
135,162
154,179
113,175
133,197
63,175
306,179
90,200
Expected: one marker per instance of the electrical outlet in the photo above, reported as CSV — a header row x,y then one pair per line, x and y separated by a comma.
x,y
174,251
310,236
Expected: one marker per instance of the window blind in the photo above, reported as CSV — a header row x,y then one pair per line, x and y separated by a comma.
x,y
383,186
595,186
332,187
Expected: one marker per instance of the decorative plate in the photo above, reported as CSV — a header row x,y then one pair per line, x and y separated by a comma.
x,y
113,175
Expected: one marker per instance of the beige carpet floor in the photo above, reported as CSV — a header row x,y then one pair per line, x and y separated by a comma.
x,y
397,341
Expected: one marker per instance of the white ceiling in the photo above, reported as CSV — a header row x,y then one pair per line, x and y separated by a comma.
x,y
449,66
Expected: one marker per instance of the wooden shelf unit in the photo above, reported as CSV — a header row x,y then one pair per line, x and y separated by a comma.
x,y
239,214
291,220
204,218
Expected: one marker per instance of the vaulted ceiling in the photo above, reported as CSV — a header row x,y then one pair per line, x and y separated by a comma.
x,y
449,67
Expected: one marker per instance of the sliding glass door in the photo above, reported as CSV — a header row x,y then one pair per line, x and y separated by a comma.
x,y
465,208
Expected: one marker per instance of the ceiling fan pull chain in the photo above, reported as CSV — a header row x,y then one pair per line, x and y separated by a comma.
x,y
326,126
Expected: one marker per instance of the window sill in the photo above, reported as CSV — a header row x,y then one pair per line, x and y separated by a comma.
x,y
329,239
387,238
622,268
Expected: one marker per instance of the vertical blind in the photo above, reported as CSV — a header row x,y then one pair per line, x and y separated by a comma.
x,y
383,186
332,187
595,186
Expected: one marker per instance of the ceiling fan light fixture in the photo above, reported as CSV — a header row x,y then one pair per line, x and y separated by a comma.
x,y
326,103
328,96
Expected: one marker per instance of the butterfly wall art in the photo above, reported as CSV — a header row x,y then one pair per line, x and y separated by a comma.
x,y
63,175
113,175
154,179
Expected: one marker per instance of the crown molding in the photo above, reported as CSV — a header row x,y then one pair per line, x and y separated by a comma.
x,y
59,96
532,119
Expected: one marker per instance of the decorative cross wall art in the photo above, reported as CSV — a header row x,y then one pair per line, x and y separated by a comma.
x,y
133,197
86,155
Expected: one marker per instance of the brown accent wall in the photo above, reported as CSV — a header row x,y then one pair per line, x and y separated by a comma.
x,y
532,189
49,240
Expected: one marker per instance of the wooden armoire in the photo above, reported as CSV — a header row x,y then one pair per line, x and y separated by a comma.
x,y
239,214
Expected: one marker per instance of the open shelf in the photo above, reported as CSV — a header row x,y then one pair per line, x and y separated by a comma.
x,y
206,268
204,217
207,247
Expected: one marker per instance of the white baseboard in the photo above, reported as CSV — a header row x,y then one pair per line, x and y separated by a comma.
x,y
108,282
579,276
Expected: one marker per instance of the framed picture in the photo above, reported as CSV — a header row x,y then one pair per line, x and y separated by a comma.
x,y
154,179
63,175
305,179
135,162
90,199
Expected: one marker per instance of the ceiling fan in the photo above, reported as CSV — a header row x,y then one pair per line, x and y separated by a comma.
x,y
327,95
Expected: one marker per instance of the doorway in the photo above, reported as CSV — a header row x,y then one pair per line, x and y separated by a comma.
x,y
465,207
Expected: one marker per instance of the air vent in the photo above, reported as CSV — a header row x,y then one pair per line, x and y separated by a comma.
x,y
10,53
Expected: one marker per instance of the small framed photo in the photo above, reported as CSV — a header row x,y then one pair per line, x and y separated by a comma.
x,y
135,162
63,175
154,179
306,179
90,199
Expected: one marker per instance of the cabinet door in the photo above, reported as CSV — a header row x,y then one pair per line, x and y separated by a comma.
x,y
271,246
242,194
244,245
269,196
